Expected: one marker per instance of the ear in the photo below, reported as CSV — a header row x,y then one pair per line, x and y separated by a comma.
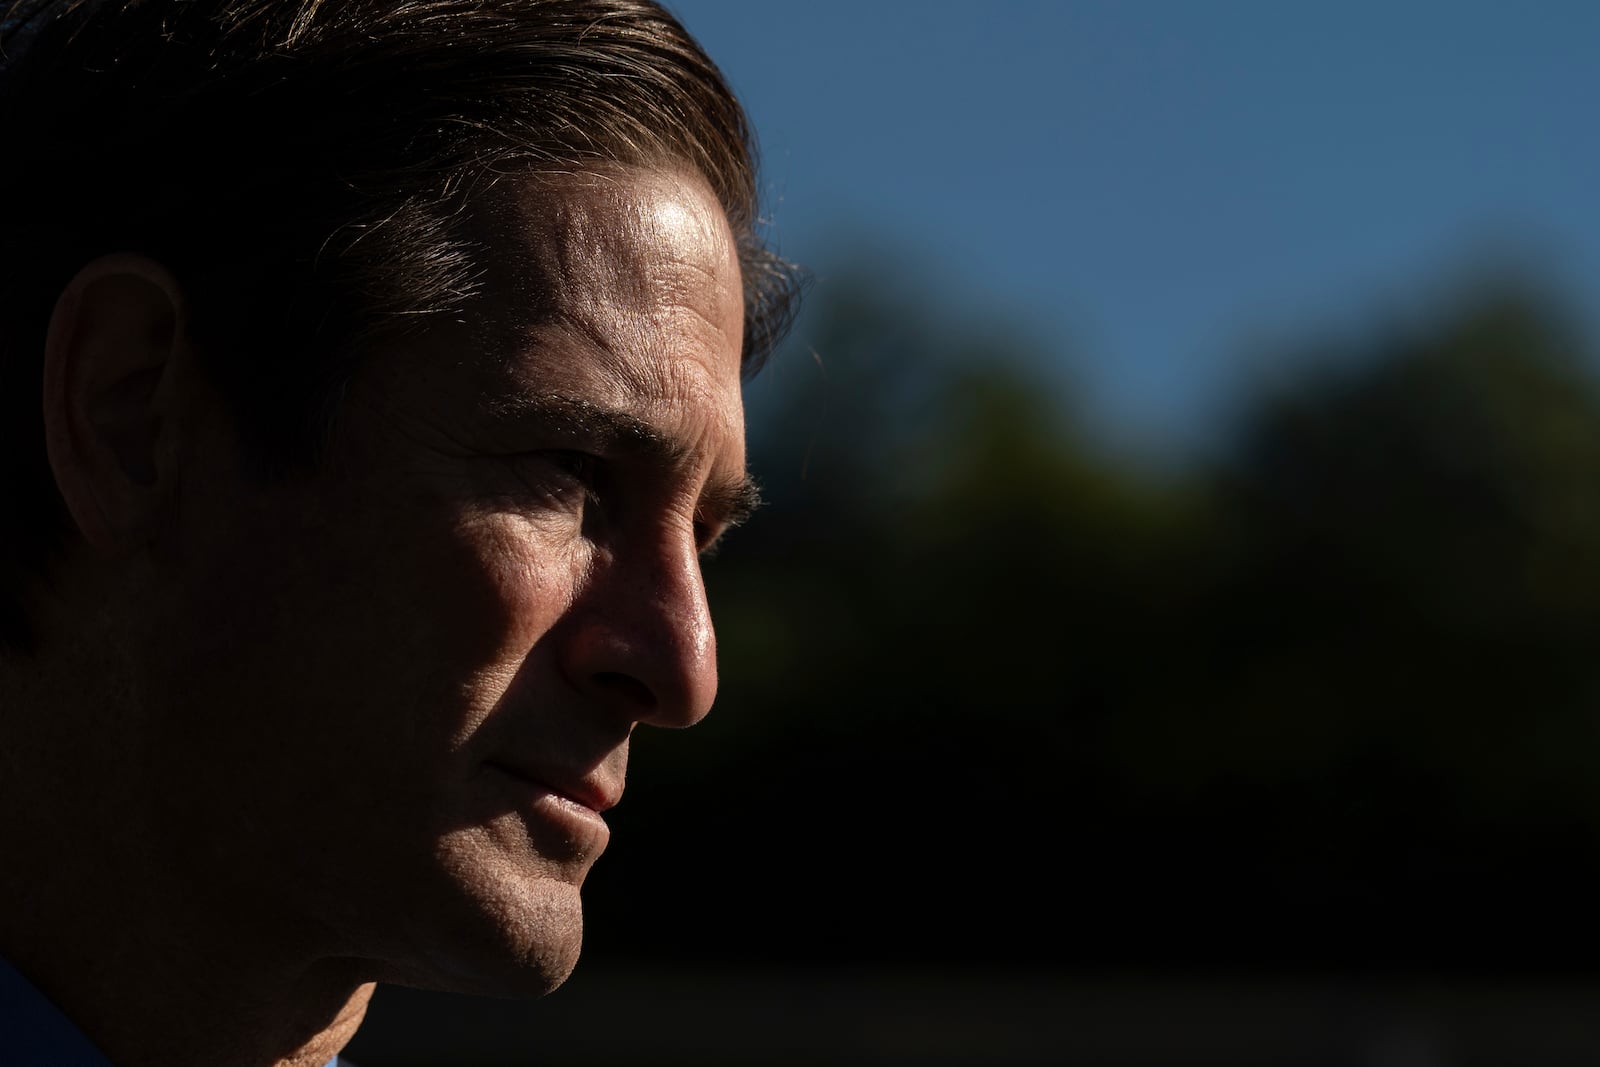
x,y
114,345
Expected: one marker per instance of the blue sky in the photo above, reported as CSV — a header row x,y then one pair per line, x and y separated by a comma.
x,y
1166,190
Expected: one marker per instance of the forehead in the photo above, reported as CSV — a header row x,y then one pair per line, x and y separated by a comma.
x,y
618,290
635,268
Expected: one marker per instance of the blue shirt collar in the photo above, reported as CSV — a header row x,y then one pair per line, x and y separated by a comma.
x,y
35,1033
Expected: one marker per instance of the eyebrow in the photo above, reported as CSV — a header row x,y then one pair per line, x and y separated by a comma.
x,y
734,504
729,502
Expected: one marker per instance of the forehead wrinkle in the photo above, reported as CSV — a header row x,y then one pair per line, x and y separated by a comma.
x,y
590,227
642,299
637,352
629,325
616,256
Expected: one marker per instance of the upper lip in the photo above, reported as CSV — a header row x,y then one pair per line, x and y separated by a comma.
x,y
592,790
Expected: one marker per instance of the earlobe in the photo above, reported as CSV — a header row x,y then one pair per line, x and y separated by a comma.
x,y
113,347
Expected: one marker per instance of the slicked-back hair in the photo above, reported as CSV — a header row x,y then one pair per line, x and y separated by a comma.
x,y
306,170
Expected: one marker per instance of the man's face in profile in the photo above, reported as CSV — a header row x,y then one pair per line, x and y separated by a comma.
x,y
397,693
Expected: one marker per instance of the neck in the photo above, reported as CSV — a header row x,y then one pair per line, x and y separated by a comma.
x,y
106,919
148,992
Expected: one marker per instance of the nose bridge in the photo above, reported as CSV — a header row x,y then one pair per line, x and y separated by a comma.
x,y
662,634
685,615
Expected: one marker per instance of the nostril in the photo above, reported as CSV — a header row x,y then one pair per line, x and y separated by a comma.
x,y
628,687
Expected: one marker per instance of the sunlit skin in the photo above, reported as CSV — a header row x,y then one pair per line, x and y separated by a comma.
x,y
370,718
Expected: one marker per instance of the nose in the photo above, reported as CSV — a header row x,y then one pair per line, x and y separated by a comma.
x,y
643,644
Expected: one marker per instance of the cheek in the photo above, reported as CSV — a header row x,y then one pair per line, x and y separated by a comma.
x,y
517,578
487,594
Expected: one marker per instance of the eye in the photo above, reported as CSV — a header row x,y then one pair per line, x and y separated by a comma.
x,y
579,466
707,538
563,478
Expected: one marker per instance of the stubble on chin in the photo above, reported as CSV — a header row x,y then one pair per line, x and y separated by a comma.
x,y
510,924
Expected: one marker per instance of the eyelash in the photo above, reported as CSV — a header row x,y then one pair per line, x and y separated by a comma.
x,y
707,545
580,466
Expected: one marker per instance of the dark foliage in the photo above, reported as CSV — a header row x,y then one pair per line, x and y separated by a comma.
x,y
1328,702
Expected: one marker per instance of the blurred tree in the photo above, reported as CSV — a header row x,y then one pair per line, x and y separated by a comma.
x,y
1399,645
988,695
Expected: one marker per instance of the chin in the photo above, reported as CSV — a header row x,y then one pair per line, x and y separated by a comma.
x,y
537,940
518,946
487,910
498,923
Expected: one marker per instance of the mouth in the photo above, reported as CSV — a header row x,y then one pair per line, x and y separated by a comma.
x,y
588,792
561,815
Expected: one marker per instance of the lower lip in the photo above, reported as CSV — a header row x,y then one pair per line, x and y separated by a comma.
x,y
580,827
